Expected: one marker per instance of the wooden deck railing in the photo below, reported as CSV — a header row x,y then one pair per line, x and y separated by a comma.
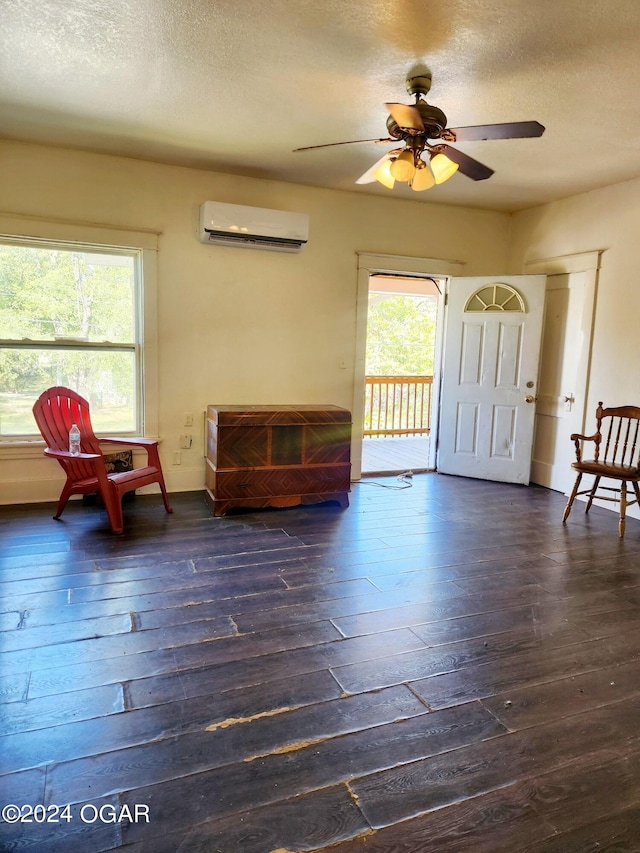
x,y
397,405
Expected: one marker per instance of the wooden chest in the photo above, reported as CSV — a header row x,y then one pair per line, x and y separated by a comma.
x,y
260,456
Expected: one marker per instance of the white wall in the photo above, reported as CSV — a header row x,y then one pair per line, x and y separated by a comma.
x,y
234,325
607,219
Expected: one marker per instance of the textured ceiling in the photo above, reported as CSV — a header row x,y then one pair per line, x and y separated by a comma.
x,y
235,85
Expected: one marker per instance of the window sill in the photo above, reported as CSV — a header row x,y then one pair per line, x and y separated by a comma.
x,y
33,449
27,449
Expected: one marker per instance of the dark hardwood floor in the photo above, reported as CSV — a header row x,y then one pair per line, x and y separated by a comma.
x,y
444,668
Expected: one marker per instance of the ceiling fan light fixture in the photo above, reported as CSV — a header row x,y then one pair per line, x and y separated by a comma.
x,y
422,129
442,167
423,178
403,167
383,174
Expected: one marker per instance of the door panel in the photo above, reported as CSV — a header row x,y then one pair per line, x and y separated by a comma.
x,y
471,354
503,432
467,429
510,360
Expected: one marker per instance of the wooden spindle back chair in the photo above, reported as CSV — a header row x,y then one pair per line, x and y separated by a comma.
x,y
616,457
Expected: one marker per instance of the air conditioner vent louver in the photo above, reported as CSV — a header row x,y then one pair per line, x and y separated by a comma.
x,y
253,227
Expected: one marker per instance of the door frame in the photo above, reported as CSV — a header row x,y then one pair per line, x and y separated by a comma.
x,y
589,263
370,264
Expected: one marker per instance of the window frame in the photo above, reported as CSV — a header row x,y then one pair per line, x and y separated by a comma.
x,y
143,246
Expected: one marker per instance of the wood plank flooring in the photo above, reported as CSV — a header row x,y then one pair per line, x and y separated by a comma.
x,y
442,667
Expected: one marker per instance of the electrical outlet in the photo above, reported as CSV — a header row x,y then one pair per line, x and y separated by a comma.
x,y
177,457
188,419
186,441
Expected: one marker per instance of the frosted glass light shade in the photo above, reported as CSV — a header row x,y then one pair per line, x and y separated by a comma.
x,y
423,179
442,168
383,175
403,168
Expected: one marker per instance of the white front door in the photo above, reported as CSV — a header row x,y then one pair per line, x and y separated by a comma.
x,y
489,376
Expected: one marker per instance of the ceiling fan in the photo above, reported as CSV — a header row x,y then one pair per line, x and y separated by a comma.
x,y
415,126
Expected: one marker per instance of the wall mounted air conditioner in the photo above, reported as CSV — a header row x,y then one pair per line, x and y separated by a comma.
x,y
253,227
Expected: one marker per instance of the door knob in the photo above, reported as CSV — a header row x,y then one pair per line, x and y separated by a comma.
x,y
530,398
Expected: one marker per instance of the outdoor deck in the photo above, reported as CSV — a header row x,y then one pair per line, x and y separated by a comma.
x,y
393,455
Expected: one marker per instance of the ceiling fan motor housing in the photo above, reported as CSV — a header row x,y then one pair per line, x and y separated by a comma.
x,y
419,84
433,119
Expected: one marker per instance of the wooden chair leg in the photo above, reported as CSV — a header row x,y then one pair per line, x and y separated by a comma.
x,y
636,489
592,494
623,507
572,497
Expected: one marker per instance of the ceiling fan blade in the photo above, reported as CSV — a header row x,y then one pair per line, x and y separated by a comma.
x,y
368,178
509,130
467,165
406,116
333,144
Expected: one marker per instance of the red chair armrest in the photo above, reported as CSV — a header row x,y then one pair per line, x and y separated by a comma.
x,y
150,445
64,454
131,442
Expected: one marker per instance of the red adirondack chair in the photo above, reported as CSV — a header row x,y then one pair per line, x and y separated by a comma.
x,y
55,411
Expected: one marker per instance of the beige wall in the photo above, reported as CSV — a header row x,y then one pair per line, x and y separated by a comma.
x,y
235,325
607,219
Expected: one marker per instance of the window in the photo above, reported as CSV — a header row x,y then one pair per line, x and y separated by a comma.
x,y
70,314
496,297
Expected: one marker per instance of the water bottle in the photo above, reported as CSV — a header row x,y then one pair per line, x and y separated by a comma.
x,y
74,440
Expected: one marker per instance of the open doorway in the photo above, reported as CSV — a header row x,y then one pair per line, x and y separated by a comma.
x,y
371,264
400,360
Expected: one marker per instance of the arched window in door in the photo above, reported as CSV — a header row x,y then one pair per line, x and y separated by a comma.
x,y
496,297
